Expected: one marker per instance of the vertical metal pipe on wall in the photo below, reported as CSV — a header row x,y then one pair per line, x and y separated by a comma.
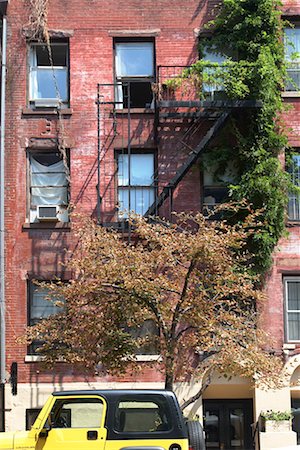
x,y
2,230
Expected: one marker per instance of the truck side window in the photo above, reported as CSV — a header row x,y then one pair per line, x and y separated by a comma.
x,y
142,415
77,413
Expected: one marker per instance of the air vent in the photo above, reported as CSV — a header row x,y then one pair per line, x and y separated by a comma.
x,y
47,212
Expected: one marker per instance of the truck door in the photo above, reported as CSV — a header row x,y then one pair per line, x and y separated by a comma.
x,y
74,423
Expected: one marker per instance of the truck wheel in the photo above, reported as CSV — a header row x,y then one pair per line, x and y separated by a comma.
x,y
196,435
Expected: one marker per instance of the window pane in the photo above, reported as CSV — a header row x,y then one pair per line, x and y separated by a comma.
x,y
292,44
212,57
294,326
49,184
140,200
294,197
141,169
77,413
142,416
58,55
293,294
41,307
31,415
134,59
292,56
46,85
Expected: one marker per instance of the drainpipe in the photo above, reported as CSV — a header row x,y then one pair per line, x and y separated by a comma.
x,y
2,228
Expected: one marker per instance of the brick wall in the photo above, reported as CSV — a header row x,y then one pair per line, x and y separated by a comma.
x,y
92,26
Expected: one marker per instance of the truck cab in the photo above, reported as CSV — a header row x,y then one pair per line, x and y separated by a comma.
x,y
105,420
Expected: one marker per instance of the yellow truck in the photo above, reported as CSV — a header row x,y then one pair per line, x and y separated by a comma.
x,y
108,420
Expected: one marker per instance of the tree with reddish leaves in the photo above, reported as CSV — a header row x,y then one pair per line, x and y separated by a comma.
x,y
190,278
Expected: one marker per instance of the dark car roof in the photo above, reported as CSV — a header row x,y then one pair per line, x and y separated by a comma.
x,y
112,393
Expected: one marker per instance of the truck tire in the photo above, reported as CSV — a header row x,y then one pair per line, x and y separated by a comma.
x,y
196,435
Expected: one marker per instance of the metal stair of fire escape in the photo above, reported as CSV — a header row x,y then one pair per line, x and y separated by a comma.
x,y
216,111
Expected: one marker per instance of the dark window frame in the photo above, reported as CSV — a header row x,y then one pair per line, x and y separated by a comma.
x,y
31,349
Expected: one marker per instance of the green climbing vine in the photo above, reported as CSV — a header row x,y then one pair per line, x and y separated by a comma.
x,y
252,30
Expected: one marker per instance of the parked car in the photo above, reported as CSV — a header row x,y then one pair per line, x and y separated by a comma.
x,y
108,420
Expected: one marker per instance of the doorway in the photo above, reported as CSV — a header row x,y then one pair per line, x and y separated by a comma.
x,y
227,424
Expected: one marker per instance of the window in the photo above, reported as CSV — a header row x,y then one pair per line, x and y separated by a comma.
x,y
49,187
292,57
294,197
134,67
48,75
40,307
147,333
31,415
213,87
77,413
136,190
215,185
142,415
292,308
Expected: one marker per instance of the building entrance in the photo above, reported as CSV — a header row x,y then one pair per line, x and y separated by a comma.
x,y
227,424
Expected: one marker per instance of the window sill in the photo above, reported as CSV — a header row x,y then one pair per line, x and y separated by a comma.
x,y
148,358
135,111
139,358
289,346
33,358
46,112
293,223
290,94
55,226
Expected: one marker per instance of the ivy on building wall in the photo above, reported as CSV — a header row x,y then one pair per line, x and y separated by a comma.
x,y
252,30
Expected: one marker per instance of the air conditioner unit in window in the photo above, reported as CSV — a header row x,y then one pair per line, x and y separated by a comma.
x,y
47,212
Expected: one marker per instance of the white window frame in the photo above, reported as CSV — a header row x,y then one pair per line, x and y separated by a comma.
x,y
61,206
293,65
288,311
294,197
124,184
34,98
125,79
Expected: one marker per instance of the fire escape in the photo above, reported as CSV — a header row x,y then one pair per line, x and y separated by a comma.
x,y
181,107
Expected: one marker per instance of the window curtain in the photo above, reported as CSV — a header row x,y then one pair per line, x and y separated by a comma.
x,y
48,183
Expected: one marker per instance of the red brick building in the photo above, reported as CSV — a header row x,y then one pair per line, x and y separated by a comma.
x,y
118,144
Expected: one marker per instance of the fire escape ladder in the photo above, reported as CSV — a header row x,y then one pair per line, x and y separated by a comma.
x,y
190,161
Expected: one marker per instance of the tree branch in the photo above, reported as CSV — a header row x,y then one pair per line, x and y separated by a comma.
x,y
199,394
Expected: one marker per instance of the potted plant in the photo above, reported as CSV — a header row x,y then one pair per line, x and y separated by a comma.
x,y
276,420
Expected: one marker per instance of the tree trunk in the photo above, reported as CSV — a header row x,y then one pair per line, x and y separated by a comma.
x,y
169,381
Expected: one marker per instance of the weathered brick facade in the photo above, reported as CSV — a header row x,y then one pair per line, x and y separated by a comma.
x,y
38,250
